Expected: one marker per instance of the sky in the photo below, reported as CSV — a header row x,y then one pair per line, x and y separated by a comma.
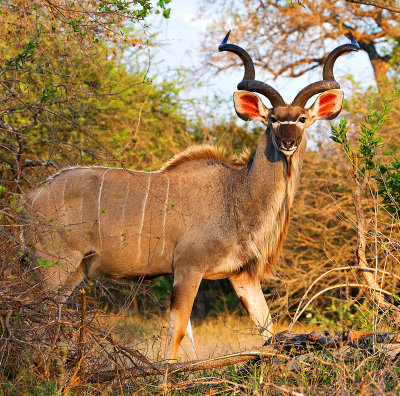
x,y
181,36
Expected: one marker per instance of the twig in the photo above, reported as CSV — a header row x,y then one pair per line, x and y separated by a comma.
x,y
82,330
27,163
283,389
360,185
348,267
375,289
133,135
53,345
76,377
8,327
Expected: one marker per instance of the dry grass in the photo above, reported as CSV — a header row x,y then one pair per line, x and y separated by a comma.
x,y
46,356
368,369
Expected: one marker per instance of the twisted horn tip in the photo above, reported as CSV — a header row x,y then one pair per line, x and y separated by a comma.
x,y
224,41
353,40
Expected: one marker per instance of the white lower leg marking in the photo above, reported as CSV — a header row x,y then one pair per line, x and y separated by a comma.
x,y
165,218
99,207
189,332
142,222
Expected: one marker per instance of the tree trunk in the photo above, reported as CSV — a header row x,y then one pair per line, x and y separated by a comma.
x,y
379,63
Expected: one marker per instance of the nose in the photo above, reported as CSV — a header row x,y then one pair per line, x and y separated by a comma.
x,y
287,144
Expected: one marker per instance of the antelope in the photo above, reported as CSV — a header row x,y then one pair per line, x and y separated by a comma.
x,y
203,215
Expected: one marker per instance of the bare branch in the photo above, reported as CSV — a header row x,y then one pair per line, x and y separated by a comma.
x,y
298,37
31,163
376,4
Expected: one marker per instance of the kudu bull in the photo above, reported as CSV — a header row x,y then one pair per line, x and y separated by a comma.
x,y
202,216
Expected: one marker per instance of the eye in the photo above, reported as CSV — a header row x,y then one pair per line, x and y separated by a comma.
x,y
302,119
273,120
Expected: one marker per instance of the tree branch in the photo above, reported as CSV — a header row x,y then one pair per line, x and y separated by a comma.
x,y
181,367
376,4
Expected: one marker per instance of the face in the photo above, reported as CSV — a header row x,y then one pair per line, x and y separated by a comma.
x,y
287,124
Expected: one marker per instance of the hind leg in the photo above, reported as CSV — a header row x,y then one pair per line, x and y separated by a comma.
x,y
186,285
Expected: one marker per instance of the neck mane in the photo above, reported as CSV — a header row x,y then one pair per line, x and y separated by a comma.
x,y
272,182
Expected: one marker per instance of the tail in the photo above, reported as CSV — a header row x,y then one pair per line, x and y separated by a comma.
x,y
189,332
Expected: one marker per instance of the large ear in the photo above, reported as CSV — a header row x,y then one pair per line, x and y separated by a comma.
x,y
249,106
327,106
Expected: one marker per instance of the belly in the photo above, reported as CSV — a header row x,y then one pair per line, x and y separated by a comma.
x,y
218,276
126,263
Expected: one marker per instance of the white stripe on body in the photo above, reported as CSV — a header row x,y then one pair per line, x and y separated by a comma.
x,y
82,199
143,213
126,200
63,193
99,207
36,196
165,218
123,235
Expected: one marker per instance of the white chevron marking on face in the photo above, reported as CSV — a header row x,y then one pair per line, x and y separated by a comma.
x,y
288,153
287,122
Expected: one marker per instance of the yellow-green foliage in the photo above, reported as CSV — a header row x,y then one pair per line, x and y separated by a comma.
x,y
67,100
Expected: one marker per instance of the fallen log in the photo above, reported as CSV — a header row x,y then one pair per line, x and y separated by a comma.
x,y
285,342
182,367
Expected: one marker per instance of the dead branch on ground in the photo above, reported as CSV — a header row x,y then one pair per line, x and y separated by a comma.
x,y
285,341
301,343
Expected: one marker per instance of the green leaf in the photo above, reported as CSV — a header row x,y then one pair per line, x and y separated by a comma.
x,y
166,13
45,263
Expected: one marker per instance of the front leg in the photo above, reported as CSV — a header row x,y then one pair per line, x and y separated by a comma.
x,y
252,297
186,286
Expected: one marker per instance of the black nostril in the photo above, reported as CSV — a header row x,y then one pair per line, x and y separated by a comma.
x,y
288,143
